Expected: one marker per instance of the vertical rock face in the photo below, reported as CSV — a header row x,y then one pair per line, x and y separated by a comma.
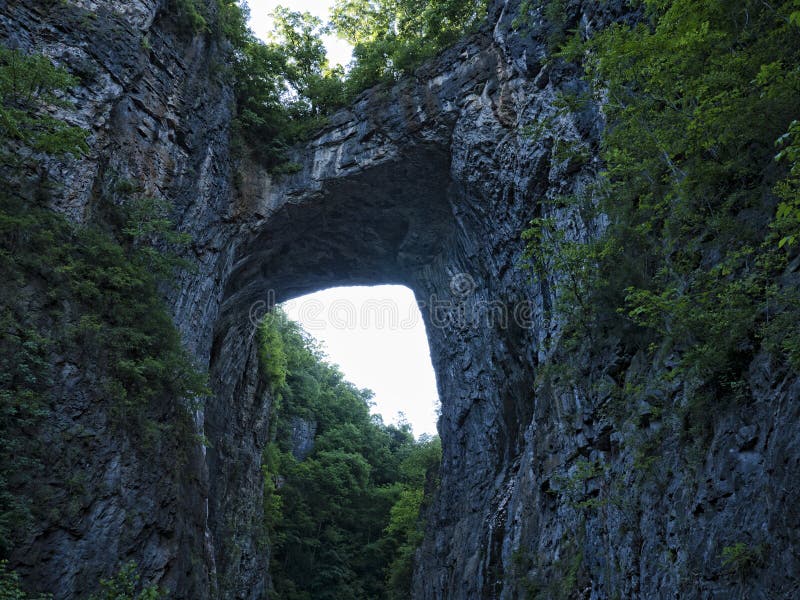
x,y
303,433
429,183
158,117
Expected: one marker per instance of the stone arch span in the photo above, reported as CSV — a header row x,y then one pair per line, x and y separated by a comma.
x,y
382,225
419,185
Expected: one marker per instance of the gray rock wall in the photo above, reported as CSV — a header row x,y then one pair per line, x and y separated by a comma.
x,y
158,111
428,183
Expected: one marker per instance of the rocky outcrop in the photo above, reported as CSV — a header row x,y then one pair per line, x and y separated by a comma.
x,y
302,437
428,183
158,116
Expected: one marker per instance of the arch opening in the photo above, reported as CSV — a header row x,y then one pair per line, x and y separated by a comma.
x,y
392,223
377,337
381,225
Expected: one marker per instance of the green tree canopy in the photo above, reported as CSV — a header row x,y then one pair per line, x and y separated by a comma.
x,y
330,514
392,37
285,86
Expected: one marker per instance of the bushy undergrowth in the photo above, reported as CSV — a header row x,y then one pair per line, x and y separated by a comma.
x,y
345,520
684,271
699,191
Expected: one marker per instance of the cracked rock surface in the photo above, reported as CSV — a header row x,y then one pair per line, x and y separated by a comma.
x,y
427,183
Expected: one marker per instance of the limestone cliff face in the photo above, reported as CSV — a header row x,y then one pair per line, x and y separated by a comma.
x,y
158,113
428,183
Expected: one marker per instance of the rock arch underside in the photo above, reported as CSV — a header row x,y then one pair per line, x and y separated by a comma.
x,y
428,183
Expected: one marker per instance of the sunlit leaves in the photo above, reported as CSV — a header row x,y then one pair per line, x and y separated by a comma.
x,y
392,37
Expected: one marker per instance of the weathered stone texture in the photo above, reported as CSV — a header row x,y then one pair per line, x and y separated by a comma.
x,y
428,183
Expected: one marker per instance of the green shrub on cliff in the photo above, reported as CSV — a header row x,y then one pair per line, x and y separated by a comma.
x,y
272,353
11,586
88,294
126,585
29,88
702,218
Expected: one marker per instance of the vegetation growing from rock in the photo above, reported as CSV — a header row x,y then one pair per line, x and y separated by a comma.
x,y
691,267
11,587
345,519
687,274
285,87
86,293
685,257
126,585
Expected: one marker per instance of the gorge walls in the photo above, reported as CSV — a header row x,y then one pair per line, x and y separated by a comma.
x,y
428,183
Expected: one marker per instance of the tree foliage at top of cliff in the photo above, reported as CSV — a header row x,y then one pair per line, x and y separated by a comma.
x,y
700,189
83,298
345,520
285,87
391,38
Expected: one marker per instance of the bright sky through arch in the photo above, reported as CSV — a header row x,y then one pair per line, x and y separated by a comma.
x,y
376,336
392,360
339,51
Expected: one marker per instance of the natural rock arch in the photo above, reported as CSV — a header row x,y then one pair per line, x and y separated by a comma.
x,y
439,175
373,197
398,189
416,183
381,225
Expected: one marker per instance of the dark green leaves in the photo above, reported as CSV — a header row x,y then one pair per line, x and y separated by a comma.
x,y
345,517
86,296
30,87
701,212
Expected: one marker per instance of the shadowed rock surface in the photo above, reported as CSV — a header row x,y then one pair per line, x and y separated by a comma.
x,y
428,183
